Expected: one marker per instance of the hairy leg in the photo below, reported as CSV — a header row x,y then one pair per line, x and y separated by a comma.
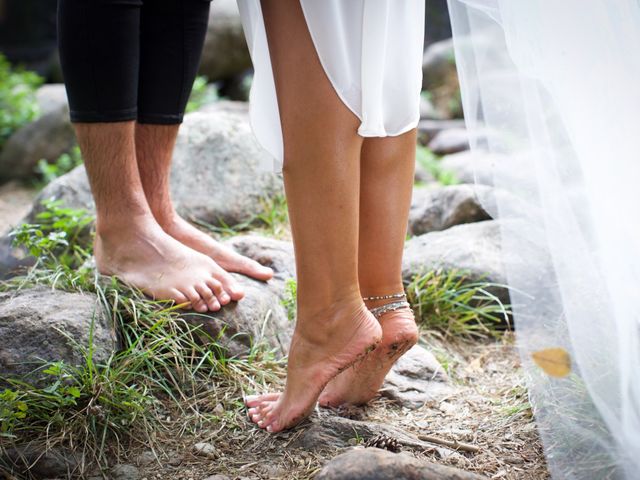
x,y
154,147
321,176
129,242
386,182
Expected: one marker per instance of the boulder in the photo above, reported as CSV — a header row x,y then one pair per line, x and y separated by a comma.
x,y
377,464
449,141
33,460
415,379
277,254
428,128
439,208
41,324
225,52
214,177
259,318
470,167
440,78
48,137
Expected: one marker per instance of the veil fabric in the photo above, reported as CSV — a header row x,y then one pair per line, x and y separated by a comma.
x,y
371,51
551,96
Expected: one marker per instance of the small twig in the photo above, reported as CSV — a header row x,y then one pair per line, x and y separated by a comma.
x,y
451,444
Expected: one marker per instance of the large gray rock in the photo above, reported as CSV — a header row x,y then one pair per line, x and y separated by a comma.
x,y
416,378
470,167
225,52
32,460
449,141
39,324
377,464
214,175
473,249
257,319
434,209
48,137
440,78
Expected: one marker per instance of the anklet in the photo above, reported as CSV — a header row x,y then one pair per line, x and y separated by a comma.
x,y
389,307
384,297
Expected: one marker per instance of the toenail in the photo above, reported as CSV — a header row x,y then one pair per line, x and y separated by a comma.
x,y
269,429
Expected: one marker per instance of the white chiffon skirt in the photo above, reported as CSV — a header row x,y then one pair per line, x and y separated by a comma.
x,y
371,51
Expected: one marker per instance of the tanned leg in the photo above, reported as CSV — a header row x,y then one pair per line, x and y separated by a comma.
x,y
129,242
321,169
154,147
386,182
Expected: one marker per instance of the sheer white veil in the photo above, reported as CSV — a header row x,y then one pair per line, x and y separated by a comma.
x,y
551,92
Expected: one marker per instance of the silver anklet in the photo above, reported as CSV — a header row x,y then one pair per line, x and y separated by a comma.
x,y
384,297
389,307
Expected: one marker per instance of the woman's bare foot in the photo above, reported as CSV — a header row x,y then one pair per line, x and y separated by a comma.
x,y
339,340
360,383
225,257
141,254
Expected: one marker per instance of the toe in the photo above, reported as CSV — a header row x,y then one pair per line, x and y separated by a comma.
x,y
196,300
234,262
257,400
179,298
229,284
219,291
208,296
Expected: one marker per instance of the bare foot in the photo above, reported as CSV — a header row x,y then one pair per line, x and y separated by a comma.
x,y
360,383
345,337
225,257
141,254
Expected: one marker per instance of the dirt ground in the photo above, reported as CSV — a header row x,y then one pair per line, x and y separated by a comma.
x,y
489,413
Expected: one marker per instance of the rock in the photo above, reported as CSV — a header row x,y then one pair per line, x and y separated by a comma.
x,y
12,259
214,174
34,461
330,431
415,379
472,249
32,322
429,128
15,202
259,318
205,449
427,110
225,52
124,472
48,137
376,464
440,78
229,106
434,209
470,167
146,458
449,141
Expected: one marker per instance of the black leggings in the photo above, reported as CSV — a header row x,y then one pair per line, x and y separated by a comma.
x,y
130,59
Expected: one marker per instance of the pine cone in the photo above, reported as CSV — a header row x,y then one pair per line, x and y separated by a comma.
x,y
384,442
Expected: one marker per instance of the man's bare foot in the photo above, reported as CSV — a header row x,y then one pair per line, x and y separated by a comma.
x,y
225,257
341,339
141,254
360,383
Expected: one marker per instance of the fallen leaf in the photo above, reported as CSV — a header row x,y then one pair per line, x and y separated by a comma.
x,y
555,362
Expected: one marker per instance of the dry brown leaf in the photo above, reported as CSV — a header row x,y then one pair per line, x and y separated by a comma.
x,y
555,362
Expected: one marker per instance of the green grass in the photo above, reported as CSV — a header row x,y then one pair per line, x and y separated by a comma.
x,y
164,364
18,104
446,303
431,163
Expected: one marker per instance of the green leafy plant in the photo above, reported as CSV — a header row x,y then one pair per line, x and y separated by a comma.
x,y
60,238
431,163
17,98
452,305
202,93
48,172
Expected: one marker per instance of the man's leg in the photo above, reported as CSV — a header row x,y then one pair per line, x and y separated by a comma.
x,y
167,71
99,55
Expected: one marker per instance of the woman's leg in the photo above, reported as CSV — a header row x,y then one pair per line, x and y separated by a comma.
x,y
321,176
386,183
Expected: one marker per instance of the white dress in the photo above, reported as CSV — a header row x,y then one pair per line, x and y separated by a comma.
x,y
371,51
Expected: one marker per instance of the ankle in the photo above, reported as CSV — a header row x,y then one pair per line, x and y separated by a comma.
x,y
370,294
118,227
